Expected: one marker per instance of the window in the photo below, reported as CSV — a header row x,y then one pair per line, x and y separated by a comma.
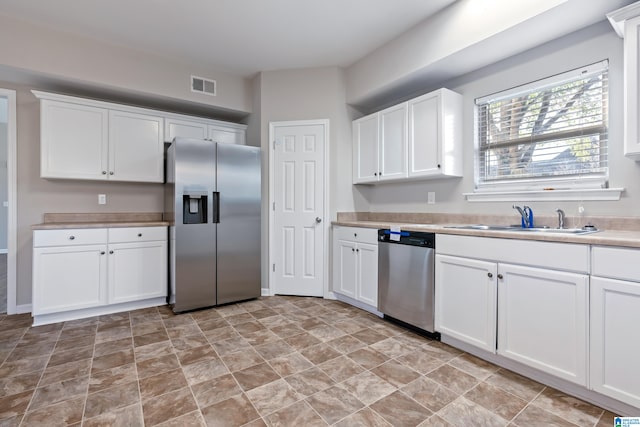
x,y
549,134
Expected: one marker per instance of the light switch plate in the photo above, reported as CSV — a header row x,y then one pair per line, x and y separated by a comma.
x,y
102,199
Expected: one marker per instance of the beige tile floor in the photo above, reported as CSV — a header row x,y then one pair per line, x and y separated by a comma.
x,y
277,361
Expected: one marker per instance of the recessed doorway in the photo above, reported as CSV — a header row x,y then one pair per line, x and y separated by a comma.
x,y
8,145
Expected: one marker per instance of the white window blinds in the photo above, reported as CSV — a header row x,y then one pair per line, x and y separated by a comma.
x,y
550,133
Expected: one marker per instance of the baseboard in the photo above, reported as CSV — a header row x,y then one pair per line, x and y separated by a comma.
x,y
265,292
361,305
579,391
24,308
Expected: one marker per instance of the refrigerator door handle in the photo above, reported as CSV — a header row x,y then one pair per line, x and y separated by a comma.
x,y
216,208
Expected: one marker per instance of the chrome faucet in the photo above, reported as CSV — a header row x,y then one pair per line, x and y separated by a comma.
x,y
560,213
527,215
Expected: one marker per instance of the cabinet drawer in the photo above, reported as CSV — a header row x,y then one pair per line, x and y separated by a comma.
x,y
616,263
558,256
70,236
137,234
356,234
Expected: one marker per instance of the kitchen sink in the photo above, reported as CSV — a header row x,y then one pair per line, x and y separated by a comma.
x,y
517,228
486,227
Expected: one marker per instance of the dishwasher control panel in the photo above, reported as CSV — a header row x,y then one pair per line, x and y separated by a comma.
x,y
413,238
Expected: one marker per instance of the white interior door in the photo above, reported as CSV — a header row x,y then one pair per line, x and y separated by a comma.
x,y
298,209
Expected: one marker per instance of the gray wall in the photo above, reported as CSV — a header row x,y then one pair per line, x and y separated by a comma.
x,y
80,61
587,46
310,94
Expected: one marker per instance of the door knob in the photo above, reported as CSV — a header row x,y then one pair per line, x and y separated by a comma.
x,y
318,219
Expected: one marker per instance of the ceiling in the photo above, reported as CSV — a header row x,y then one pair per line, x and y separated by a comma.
x,y
237,36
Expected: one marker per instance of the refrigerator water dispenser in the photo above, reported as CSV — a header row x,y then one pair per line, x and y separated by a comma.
x,y
194,209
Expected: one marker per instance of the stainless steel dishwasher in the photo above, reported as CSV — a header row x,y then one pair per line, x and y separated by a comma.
x,y
406,279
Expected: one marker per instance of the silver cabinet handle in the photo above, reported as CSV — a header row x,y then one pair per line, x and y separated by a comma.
x,y
353,250
104,172
101,252
111,173
139,234
500,276
110,252
490,275
357,250
318,219
72,237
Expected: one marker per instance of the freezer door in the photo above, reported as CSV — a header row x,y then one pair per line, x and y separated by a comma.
x,y
238,222
195,243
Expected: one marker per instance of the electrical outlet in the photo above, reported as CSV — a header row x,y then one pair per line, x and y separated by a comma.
x,y
102,199
431,197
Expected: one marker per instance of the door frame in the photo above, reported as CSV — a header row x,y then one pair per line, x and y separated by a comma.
x,y
325,199
12,214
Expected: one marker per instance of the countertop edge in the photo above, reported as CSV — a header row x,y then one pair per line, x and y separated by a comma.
x,y
623,238
116,224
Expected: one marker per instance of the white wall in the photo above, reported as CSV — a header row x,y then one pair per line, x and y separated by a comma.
x,y
587,46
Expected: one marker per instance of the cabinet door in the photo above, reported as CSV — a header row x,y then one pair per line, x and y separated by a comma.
x,y
184,128
137,271
393,143
632,88
136,147
424,136
542,320
615,341
344,268
68,278
466,294
367,288
73,141
365,149
226,135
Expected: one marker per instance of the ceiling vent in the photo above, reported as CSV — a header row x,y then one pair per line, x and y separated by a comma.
x,y
202,85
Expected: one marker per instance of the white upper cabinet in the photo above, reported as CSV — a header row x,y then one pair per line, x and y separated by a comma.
x,y
227,134
365,149
95,140
626,22
174,127
380,146
418,139
435,135
136,147
74,141
192,127
393,143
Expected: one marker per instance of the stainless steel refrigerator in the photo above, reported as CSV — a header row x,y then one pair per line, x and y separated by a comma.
x,y
212,199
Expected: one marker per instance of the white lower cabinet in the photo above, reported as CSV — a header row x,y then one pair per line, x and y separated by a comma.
x,y
543,320
84,272
69,278
355,264
509,297
615,317
134,272
466,300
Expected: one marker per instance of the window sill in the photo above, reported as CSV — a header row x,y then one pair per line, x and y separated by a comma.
x,y
603,194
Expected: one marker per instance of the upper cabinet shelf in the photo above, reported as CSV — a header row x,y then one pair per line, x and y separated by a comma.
x,y
626,22
94,140
417,139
